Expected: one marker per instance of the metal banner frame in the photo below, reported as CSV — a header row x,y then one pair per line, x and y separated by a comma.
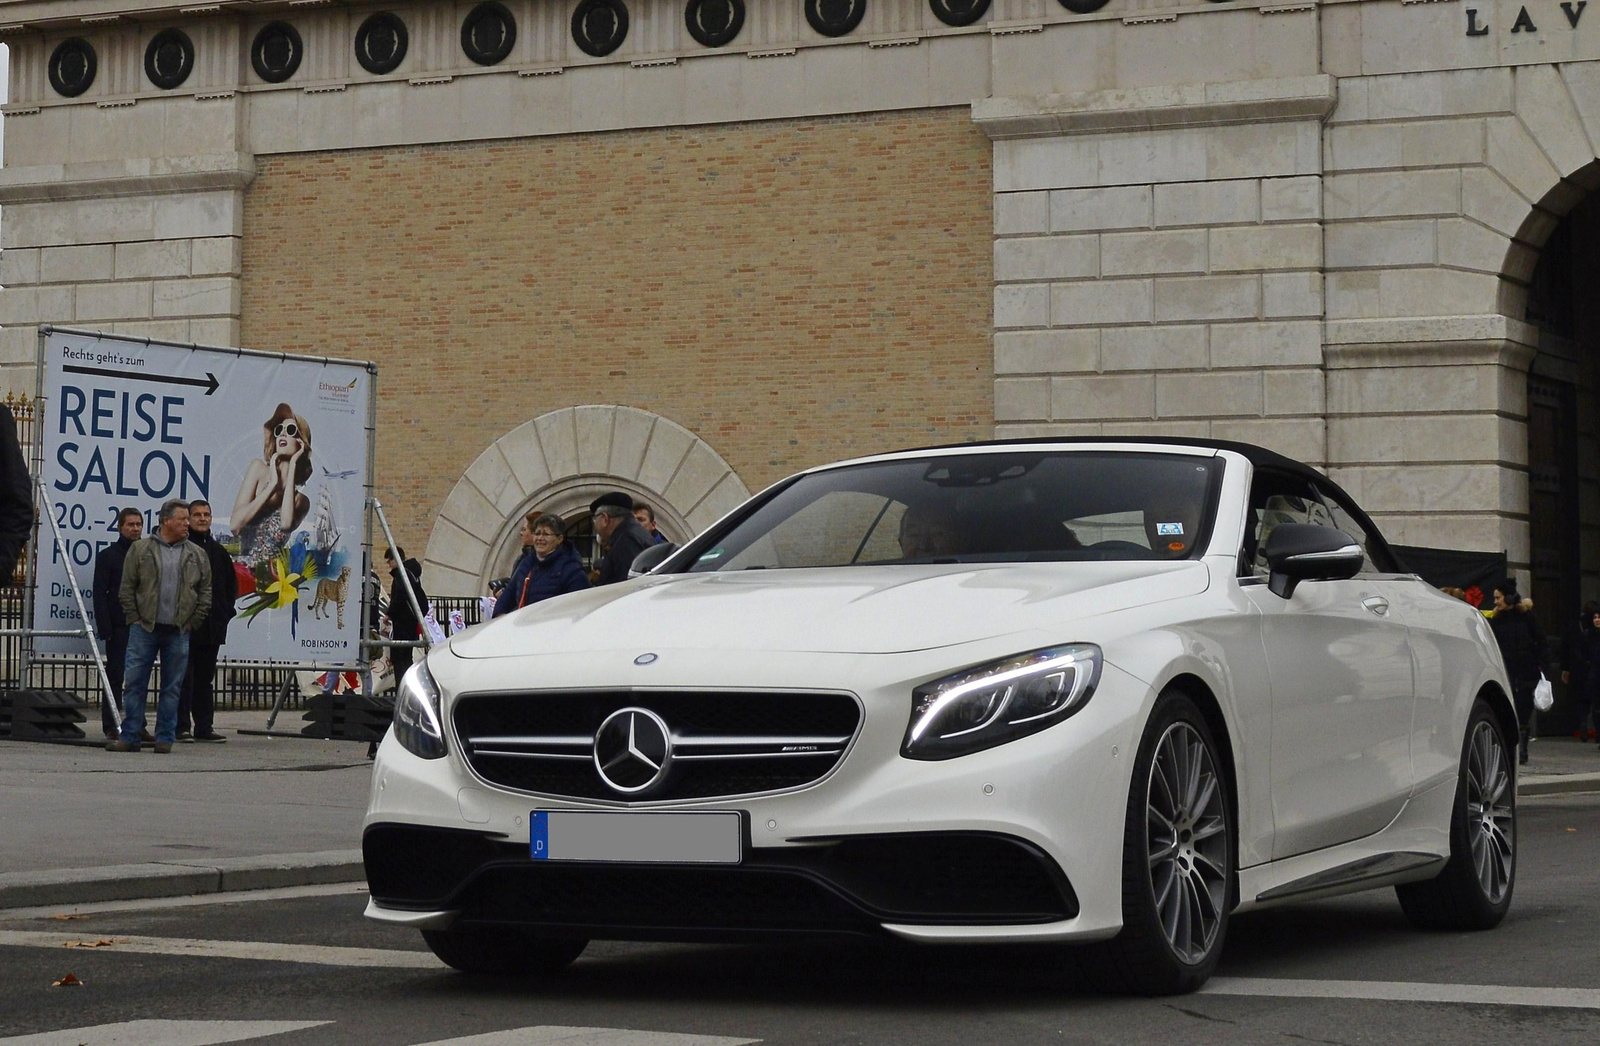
x,y
360,664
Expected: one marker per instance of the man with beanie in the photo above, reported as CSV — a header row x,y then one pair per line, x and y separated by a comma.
x,y
620,534
197,697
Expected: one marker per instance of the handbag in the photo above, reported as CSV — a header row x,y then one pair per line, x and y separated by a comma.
x,y
1544,695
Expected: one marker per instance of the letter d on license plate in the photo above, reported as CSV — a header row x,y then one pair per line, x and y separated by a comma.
x,y
691,837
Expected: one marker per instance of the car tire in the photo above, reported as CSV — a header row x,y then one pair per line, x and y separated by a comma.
x,y
498,950
1473,892
1178,855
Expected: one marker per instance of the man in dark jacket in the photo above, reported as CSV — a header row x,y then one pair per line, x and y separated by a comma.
x,y
197,697
16,496
403,620
108,618
620,534
1522,648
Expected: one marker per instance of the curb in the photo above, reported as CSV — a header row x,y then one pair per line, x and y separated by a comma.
x,y
1558,784
127,882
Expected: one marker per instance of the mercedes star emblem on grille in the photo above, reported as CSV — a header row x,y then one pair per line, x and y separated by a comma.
x,y
632,750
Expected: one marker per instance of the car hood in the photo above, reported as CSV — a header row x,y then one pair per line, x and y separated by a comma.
x,y
865,610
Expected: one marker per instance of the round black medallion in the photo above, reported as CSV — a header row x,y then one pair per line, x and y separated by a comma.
x,y
72,67
835,17
715,22
959,12
276,53
169,59
600,26
1083,7
488,34
381,43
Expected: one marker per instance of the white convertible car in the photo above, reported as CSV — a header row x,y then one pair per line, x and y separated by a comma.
x,y
1099,692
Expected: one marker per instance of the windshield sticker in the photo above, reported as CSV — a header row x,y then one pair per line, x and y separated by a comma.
x,y
1169,529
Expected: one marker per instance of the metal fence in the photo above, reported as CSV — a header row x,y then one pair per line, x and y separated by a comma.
x,y
238,687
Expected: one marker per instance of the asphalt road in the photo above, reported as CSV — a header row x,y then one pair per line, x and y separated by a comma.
x,y
305,957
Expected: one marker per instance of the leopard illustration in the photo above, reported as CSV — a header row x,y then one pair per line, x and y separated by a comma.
x,y
332,590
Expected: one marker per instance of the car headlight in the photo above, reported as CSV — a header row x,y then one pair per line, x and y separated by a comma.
x,y
1001,701
417,723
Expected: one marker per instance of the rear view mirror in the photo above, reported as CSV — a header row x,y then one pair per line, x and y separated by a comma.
x,y
1299,552
650,558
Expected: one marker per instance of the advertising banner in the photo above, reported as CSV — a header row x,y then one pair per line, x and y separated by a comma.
x,y
277,444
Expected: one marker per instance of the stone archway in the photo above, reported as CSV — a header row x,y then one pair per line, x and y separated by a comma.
x,y
559,462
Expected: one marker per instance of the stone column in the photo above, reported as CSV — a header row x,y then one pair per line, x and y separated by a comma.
x,y
1158,262
136,247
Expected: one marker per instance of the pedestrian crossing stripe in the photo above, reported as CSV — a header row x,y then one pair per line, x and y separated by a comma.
x,y
209,1033
162,1033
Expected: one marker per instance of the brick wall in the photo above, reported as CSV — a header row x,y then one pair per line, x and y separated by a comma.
x,y
791,291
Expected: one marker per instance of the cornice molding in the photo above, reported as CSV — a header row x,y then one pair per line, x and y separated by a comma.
x,y
1152,108
53,183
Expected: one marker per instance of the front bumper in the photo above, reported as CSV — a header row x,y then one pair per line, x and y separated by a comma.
x,y
1018,842
851,886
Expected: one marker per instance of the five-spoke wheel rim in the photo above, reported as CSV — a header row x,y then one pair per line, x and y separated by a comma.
x,y
1491,813
1187,842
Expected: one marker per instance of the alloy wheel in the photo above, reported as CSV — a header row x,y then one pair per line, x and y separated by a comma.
x,y
1187,842
1491,815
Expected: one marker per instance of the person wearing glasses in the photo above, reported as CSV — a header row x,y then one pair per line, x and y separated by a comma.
x,y
270,504
552,567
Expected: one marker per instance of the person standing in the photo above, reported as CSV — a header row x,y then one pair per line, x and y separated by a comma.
x,y
552,568
166,592
1580,667
620,534
16,497
197,699
1522,647
646,517
403,620
108,617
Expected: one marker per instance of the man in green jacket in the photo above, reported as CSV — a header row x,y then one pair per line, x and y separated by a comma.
x,y
166,592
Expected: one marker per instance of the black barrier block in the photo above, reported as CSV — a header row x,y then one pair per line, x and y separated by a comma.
x,y
347,717
46,715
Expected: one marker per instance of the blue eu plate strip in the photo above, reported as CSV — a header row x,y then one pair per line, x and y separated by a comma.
x,y
539,835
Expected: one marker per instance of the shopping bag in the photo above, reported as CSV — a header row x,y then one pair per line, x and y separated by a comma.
x,y
1544,695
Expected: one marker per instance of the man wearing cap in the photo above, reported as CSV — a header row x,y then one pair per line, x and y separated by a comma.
x,y
620,533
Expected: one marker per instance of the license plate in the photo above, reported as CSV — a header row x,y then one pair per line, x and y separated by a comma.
x,y
638,838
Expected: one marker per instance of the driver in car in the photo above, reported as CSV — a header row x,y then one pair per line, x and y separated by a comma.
x,y
927,531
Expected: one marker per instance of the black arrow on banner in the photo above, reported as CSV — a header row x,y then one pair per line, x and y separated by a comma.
x,y
209,382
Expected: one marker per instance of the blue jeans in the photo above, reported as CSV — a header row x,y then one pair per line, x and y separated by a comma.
x,y
143,646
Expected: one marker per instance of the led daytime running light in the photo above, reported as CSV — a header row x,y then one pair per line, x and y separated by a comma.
x,y
956,693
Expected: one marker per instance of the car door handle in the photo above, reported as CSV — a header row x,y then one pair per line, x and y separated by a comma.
x,y
1377,604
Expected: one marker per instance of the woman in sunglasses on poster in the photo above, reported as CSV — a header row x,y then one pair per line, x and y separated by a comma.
x,y
270,504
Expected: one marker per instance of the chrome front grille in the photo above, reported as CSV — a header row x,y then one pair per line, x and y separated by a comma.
x,y
722,742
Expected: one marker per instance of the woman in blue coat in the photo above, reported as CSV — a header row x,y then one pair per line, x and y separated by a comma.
x,y
551,567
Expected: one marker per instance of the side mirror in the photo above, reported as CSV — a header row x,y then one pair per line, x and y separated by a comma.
x,y
1299,552
650,558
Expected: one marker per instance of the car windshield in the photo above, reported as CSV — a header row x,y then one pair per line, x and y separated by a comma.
x,y
1004,507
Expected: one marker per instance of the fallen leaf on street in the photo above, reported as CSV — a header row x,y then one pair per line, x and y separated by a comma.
x,y
64,917
103,943
69,981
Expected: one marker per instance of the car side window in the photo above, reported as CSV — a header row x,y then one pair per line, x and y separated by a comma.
x,y
1276,498
1345,521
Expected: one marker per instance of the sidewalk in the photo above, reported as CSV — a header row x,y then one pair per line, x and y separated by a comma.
x,y
1560,764
80,824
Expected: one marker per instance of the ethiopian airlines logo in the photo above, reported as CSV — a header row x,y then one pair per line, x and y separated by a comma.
x,y
336,393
